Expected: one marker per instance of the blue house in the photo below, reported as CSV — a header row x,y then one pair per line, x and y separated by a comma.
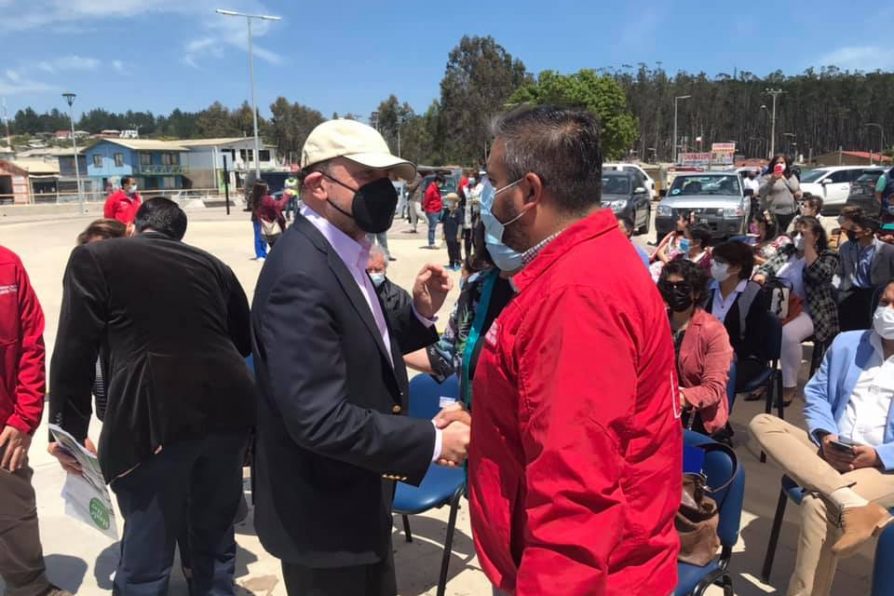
x,y
156,165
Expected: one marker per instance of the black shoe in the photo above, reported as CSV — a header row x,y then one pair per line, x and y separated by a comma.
x,y
392,259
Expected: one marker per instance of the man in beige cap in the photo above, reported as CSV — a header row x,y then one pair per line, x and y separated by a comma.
x,y
332,438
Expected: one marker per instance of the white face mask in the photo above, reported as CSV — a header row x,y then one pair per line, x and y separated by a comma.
x,y
883,321
799,243
720,271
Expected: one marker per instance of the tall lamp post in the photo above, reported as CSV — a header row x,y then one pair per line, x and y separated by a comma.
x,y
251,75
676,146
773,93
70,97
882,140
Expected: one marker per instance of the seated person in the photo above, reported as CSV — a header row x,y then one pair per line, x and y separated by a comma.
x,y
849,400
865,263
627,227
847,215
703,350
886,233
671,246
741,306
769,239
696,247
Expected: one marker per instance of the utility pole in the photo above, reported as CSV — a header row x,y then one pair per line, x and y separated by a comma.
x,y
70,97
251,77
773,93
676,146
868,124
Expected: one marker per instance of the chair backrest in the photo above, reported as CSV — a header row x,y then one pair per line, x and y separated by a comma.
x,y
718,469
883,567
731,386
426,395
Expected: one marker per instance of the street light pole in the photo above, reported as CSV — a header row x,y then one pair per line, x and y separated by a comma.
x,y
70,97
251,76
881,140
676,100
774,93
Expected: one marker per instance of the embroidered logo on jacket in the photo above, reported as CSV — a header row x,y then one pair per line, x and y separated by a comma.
x,y
9,289
491,336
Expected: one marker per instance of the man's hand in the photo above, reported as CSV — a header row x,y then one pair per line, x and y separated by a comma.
x,y
14,444
66,460
455,412
840,460
865,457
454,444
430,290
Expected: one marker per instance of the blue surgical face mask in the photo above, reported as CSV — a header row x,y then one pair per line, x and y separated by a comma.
x,y
492,225
377,278
684,245
504,257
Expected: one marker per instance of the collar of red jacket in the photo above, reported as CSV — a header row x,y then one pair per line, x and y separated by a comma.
x,y
596,224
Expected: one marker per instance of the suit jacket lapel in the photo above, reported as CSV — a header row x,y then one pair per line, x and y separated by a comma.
x,y
346,281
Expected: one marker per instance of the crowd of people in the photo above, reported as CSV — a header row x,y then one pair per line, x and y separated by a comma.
x,y
573,462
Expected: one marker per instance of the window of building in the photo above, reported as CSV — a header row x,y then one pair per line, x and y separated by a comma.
x,y
166,159
246,154
168,182
119,160
145,159
97,161
265,154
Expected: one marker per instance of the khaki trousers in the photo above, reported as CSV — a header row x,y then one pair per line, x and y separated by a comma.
x,y
21,556
791,448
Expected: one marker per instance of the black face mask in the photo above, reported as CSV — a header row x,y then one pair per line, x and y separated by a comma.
x,y
678,296
373,205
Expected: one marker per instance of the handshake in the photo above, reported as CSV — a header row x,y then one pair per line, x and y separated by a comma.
x,y
455,424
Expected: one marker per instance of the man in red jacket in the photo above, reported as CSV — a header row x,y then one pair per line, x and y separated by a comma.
x,y
433,205
124,203
22,388
575,462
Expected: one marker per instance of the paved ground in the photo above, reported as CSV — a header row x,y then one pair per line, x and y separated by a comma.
x,y
82,560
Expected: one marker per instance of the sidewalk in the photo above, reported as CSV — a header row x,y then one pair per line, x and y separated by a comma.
x,y
82,560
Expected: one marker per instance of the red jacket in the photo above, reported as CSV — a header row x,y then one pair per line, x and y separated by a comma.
x,y
575,463
22,351
432,202
122,207
705,358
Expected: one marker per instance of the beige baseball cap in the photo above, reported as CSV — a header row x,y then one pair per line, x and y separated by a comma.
x,y
355,141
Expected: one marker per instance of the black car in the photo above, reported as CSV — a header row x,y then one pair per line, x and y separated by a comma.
x,y
626,194
862,193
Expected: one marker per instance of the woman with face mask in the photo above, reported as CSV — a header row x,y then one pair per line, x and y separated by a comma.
x,y
703,349
807,266
770,239
739,304
780,190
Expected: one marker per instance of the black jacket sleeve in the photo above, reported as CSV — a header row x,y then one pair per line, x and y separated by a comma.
x,y
81,325
307,375
238,316
409,332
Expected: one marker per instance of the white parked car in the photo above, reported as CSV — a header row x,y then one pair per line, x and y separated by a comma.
x,y
833,184
632,167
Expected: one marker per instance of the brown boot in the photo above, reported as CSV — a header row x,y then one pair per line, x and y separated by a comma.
x,y
859,525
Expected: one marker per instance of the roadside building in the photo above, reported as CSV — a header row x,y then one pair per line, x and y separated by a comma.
x,y
850,158
26,181
205,161
156,165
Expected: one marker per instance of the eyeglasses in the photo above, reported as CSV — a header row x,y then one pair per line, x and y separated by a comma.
x,y
683,287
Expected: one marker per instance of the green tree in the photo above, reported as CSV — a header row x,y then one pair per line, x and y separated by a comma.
x,y
217,121
587,89
480,77
290,124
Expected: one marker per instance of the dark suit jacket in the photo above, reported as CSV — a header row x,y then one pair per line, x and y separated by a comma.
x,y
395,301
176,324
331,435
880,272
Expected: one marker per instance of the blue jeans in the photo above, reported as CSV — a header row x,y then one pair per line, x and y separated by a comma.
x,y
260,242
433,219
200,480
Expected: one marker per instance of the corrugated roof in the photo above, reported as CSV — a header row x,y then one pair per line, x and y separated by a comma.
x,y
52,151
37,166
212,142
146,144
866,155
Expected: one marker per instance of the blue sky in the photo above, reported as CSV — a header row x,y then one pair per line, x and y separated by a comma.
x,y
347,55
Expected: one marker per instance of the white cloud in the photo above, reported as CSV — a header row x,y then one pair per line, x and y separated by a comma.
x,y
12,83
68,63
118,65
865,58
13,75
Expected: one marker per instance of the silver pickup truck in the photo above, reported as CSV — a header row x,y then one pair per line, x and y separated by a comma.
x,y
714,199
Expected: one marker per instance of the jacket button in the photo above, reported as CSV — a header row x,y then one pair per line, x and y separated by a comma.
x,y
396,409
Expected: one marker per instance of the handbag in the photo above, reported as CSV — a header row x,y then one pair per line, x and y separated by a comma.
x,y
699,514
268,228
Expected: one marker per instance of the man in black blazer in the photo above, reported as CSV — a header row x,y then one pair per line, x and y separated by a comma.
x,y
181,400
332,435
865,266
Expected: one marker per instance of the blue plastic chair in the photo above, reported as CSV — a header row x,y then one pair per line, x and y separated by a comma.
x,y
731,386
718,467
441,485
770,376
883,566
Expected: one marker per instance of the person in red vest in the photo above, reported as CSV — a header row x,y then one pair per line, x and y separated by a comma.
x,y
123,204
22,390
575,461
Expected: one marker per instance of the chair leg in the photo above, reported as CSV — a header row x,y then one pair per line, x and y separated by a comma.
x,y
774,536
780,396
448,542
768,404
407,532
